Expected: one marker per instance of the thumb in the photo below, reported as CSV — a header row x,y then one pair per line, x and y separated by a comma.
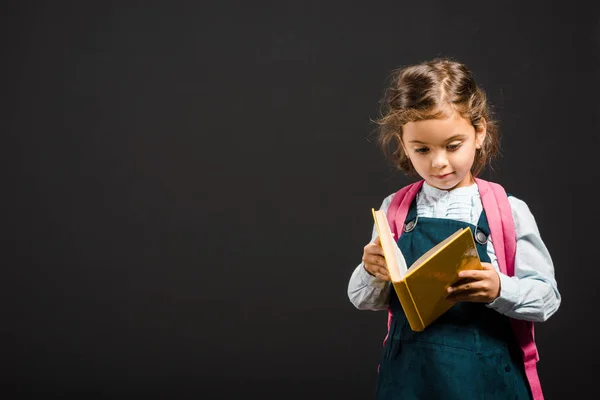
x,y
487,266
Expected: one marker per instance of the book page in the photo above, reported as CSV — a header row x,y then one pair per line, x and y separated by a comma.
x,y
435,248
393,256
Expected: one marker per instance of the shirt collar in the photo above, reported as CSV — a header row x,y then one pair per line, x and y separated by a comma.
x,y
436,193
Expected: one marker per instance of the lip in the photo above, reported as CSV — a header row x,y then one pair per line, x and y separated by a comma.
x,y
443,176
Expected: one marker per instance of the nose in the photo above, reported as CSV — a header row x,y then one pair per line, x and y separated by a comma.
x,y
439,160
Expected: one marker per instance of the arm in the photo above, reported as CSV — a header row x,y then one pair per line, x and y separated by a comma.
x,y
532,294
365,291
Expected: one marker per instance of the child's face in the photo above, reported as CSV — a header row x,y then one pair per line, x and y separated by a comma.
x,y
442,151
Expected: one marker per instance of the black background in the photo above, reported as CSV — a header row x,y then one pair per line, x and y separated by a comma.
x,y
188,186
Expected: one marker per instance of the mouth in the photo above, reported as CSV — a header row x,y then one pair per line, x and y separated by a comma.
x,y
444,176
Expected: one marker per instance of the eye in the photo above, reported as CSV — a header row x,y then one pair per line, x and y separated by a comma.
x,y
421,150
454,146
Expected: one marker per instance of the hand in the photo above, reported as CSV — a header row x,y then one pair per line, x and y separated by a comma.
x,y
480,286
374,262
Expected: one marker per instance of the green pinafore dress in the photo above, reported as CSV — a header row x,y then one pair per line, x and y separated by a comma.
x,y
470,352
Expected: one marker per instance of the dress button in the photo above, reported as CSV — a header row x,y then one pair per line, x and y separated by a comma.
x,y
409,226
507,368
480,237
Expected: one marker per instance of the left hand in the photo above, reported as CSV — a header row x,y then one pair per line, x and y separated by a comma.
x,y
480,286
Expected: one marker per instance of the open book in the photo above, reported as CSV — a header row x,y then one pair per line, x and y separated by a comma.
x,y
422,287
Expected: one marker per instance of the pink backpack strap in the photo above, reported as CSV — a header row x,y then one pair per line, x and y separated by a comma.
x,y
502,230
398,209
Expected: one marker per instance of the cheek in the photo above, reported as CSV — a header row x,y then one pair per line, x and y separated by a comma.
x,y
465,157
418,160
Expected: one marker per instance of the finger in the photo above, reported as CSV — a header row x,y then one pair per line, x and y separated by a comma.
x,y
467,286
488,266
377,270
462,282
373,248
468,295
374,267
473,274
374,260
377,241
382,276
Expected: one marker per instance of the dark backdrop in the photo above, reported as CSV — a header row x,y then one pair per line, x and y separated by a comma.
x,y
188,186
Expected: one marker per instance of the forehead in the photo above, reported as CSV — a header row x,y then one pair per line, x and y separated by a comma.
x,y
436,130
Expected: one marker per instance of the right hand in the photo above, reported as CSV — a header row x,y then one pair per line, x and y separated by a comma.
x,y
374,262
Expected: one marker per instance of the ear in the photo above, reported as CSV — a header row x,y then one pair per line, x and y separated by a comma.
x,y
480,133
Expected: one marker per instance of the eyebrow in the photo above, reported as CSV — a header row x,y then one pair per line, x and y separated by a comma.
x,y
458,136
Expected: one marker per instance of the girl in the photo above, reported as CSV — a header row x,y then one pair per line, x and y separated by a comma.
x,y
436,123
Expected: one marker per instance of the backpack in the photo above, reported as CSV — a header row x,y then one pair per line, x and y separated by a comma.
x,y
502,229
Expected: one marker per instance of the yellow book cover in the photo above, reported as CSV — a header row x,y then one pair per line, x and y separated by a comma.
x,y
422,287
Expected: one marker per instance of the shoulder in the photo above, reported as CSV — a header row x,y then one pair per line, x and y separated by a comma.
x,y
402,192
387,201
522,215
523,218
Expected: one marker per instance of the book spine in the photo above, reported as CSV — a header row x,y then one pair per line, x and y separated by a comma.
x,y
409,306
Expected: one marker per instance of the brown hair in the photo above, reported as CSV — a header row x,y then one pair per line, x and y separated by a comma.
x,y
431,90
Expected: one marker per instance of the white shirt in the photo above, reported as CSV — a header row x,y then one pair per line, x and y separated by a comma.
x,y
531,294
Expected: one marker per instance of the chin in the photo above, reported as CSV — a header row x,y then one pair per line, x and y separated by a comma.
x,y
446,187
443,185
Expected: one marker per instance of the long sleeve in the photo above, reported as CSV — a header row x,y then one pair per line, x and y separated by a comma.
x,y
532,293
365,291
